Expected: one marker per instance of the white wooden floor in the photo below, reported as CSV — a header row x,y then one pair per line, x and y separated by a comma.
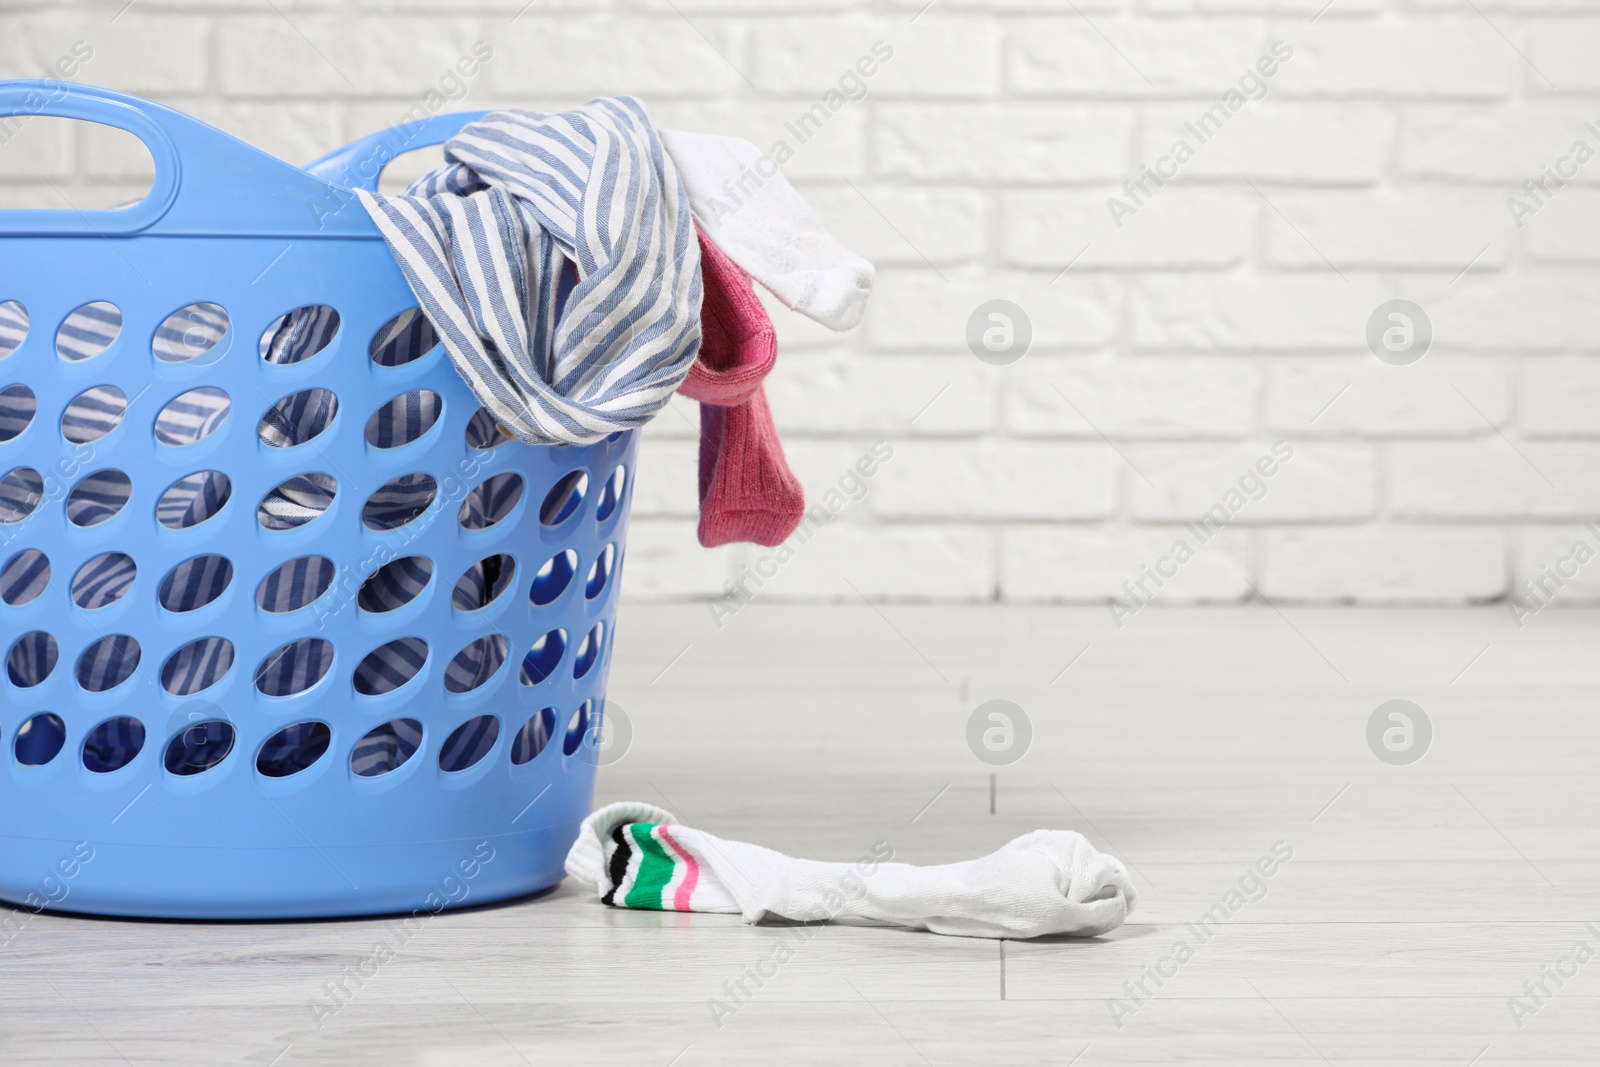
x,y
1418,900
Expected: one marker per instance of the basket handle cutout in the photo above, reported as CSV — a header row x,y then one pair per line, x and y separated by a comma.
x,y
207,183
24,100
359,164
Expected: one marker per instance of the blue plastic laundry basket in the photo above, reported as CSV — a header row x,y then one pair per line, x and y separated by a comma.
x,y
290,628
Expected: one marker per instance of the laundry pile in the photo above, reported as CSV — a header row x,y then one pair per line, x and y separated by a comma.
x,y
526,199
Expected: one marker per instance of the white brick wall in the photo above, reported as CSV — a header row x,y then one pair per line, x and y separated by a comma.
x,y
1225,313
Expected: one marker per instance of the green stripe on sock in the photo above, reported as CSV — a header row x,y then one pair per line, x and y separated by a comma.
x,y
656,867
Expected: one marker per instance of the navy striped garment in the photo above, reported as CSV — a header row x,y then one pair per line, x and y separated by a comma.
x,y
523,197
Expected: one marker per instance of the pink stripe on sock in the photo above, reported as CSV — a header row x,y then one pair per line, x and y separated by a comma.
x,y
691,874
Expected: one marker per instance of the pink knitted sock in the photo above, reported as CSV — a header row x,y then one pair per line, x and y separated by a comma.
x,y
747,492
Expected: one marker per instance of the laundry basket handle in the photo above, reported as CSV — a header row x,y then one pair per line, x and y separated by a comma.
x,y
207,183
359,164
20,101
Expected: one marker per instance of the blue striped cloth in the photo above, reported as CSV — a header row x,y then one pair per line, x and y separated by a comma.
x,y
484,242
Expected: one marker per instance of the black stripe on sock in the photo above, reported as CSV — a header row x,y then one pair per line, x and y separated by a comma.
x,y
619,863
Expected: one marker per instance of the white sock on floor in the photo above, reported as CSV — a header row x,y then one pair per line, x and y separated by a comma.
x,y
750,210
1045,882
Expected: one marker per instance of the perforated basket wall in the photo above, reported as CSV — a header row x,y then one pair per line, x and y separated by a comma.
x,y
290,628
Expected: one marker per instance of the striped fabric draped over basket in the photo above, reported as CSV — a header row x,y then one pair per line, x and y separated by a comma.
x,y
524,199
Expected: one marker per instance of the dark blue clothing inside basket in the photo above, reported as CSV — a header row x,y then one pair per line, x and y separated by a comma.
x,y
288,623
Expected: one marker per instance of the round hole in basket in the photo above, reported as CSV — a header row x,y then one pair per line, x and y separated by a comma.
x,y
589,651
294,667
544,657
395,584
406,337
108,663
390,666
197,666
399,501
564,498
113,744
483,582
93,413
296,501
533,736
490,501
469,743
611,495
293,749
553,578
20,492
297,418
191,417
98,497
404,419
24,577
88,331
476,664
600,572
577,727
17,408
298,335
14,322
31,659
193,499
386,748
39,740
103,580
483,432
189,333
291,586
199,747
195,582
